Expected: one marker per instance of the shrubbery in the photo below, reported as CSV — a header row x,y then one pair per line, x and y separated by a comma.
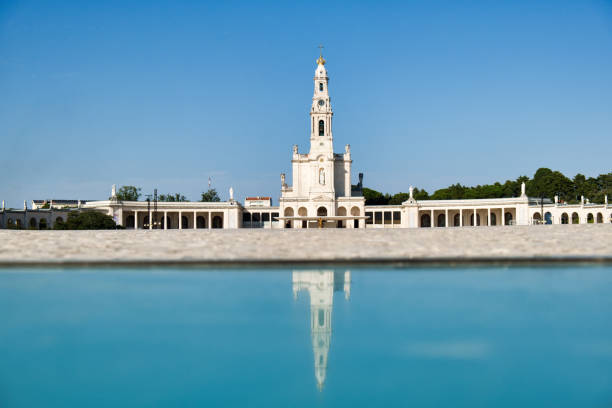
x,y
86,220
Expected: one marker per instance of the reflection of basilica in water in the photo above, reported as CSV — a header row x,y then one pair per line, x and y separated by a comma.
x,y
321,286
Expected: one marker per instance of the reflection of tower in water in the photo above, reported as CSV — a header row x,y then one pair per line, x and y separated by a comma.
x,y
321,286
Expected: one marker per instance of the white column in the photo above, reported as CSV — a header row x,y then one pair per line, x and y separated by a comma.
x,y
446,218
165,220
135,219
432,218
195,219
209,220
489,217
461,217
475,218
180,220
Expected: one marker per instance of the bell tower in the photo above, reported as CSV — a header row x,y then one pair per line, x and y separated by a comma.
x,y
321,139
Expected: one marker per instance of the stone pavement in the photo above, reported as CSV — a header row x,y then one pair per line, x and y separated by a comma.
x,y
481,244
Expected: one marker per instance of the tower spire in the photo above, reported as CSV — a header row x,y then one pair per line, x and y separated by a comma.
x,y
321,60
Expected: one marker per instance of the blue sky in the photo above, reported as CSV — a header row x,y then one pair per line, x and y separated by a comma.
x,y
167,93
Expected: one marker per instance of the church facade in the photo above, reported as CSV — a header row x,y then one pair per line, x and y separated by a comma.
x,y
321,195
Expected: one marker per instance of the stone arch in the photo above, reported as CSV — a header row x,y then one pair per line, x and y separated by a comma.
x,y
599,218
564,218
590,218
536,218
288,213
456,220
302,212
200,222
355,211
548,218
508,218
575,218
217,222
425,221
342,211
441,220
42,224
184,221
130,221
33,223
322,212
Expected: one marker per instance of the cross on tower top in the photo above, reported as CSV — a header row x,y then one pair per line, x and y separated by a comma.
x,y
321,60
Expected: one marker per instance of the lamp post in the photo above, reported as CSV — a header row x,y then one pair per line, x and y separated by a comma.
x,y
542,207
148,211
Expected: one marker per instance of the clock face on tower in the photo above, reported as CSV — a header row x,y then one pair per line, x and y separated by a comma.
x,y
321,102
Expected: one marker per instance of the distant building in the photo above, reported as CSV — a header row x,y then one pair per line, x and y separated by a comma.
x,y
321,195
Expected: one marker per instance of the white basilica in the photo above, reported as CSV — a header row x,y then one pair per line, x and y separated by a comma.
x,y
320,196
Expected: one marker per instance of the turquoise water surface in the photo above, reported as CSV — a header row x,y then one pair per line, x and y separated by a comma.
x,y
432,337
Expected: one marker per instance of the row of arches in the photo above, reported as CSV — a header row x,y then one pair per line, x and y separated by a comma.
x,y
321,212
441,220
575,218
33,223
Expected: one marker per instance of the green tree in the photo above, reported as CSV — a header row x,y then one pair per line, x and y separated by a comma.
x,y
177,197
419,194
399,198
128,193
86,220
210,196
373,197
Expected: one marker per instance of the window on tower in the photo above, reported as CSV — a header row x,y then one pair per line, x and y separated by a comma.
x,y
321,86
321,128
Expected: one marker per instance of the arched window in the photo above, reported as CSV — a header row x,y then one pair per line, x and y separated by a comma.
x,y
321,212
441,220
425,221
456,220
575,218
564,218
508,218
33,223
548,218
590,219
217,222
599,218
321,128
42,224
493,219
184,221
321,86
200,222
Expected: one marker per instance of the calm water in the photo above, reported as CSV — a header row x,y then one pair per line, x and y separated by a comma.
x,y
463,337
